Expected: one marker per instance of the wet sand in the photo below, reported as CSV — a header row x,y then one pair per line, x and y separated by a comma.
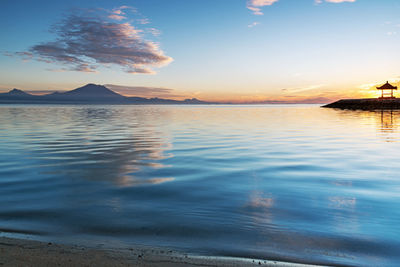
x,y
18,252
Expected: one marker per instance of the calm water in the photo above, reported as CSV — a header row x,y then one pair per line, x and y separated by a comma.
x,y
296,183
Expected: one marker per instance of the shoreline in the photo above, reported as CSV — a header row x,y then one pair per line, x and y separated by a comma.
x,y
22,252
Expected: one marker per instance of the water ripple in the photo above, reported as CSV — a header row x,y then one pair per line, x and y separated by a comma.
x,y
279,182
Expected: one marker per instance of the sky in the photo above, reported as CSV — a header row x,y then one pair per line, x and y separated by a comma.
x,y
300,51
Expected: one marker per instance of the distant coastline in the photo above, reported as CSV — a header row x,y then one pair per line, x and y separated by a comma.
x,y
100,94
88,94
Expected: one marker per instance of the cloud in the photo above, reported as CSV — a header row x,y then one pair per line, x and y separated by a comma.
x,y
89,40
294,100
303,89
339,1
116,17
372,86
255,5
253,24
142,91
311,100
143,21
26,56
334,1
155,32
119,13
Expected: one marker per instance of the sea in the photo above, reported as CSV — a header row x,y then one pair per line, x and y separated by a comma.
x,y
296,183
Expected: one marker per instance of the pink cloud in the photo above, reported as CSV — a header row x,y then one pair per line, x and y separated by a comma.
x,y
334,1
116,17
119,13
255,5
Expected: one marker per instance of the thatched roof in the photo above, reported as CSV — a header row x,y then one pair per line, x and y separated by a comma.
x,y
387,86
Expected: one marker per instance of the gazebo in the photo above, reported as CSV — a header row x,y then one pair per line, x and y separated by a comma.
x,y
387,86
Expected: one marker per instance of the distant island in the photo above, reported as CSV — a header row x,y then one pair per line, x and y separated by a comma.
x,y
88,94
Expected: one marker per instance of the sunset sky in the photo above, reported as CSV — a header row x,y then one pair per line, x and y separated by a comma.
x,y
225,50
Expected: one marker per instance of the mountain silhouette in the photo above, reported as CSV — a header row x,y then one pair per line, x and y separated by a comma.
x,y
88,94
92,90
16,92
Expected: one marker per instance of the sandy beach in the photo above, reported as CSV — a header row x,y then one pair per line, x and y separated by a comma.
x,y
19,252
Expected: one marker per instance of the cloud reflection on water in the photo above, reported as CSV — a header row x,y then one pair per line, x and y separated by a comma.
x,y
96,144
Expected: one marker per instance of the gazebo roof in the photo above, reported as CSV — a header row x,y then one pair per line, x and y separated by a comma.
x,y
387,86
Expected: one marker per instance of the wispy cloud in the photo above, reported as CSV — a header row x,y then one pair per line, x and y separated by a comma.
x,y
334,1
116,17
256,5
372,86
153,31
303,89
88,40
339,1
26,56
143,21
142,91
253,24
119,13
